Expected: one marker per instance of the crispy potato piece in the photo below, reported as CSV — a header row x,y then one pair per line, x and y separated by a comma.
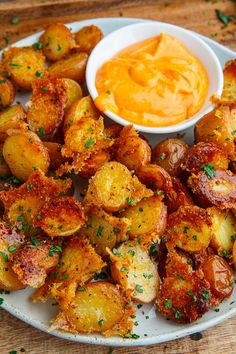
x,y
228,95
56,41
61,217
4,169
96,161
148,219
154,177
169,154
34,260
234,254
24,65
204,153
24,152
72,67
188,229
219,275
97,307
177,196
131,150
7,92
219,191
104,230
8,279
133,269
113,188
11,118
218,126
54,151
47,106
24,203
113,131
88,37
73,92
222,229
83,108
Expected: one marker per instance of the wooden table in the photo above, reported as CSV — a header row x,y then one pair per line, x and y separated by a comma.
x,y
198,15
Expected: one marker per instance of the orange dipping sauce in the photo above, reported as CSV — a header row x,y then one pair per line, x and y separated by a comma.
x,y
155,83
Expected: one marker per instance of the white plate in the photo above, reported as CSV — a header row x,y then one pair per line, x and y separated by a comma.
x,y
152,328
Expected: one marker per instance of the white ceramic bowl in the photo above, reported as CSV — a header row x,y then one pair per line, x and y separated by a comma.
x,y
126,36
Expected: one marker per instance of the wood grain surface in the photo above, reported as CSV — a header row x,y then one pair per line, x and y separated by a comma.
x,y
198,15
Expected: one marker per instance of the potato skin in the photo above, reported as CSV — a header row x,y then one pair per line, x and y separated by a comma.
x,y
96,161
154,177
11,118
54,151
62,216
56,41
169,154
4,169
7,92
23,65
47,106
88,37
178,196
73,92
204,153
220,191
72,67
131,150
24,152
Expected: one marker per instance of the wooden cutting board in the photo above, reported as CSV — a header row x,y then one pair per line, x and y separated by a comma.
x,y
198,15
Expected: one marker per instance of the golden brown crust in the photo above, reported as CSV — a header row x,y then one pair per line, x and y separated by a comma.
x,y
95,161
54,151
88,37
154,177
178,196
11,118
219,191
7,92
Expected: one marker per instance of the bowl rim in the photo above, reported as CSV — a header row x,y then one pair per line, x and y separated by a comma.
x,y
90,81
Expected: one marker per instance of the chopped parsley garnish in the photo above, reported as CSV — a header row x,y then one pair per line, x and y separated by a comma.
x,y
225,19
122,269
54,249
44,88
177,314
130,201
34,241
15,21
80,288
89,143
3,81
1,300
116,252
14,65
108,92
39,73
37,46
180,277
4,256
209,170
132,252
139,288
159,192
195,237
100,322
100,231
7,40
161,157
65,276
168,304
140,209
40,132
11,248
58,48
206,294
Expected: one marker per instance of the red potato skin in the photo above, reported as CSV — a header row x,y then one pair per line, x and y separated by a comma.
x,y
154,177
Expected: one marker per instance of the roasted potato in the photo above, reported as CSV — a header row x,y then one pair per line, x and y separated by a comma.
x,y
97,307
11,118
177,196
24,152
4,169
133,269
154,177
24,65
72,67
73,92
214,188
88,37
222,229
95,161
113,131
7,92
219,275
113,188
188,229
56,41
204,153
131,150
34,260
148,219
229,91
54,151
83,108
47,105
61,217
234,254
218,126
169,154
104,230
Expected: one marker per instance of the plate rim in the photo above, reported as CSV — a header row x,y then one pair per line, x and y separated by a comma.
x,y
116,341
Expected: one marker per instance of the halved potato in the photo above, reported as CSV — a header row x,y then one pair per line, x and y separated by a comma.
x,y
234,254
222,229
154,177
56,41
4,169
24,65
88,37
218,190
133,269
148,219
73,92
83,108
62,216
24,152
11,118
97,307
33,261
189,229
104,230
47,104
73,67
113,188
7,92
